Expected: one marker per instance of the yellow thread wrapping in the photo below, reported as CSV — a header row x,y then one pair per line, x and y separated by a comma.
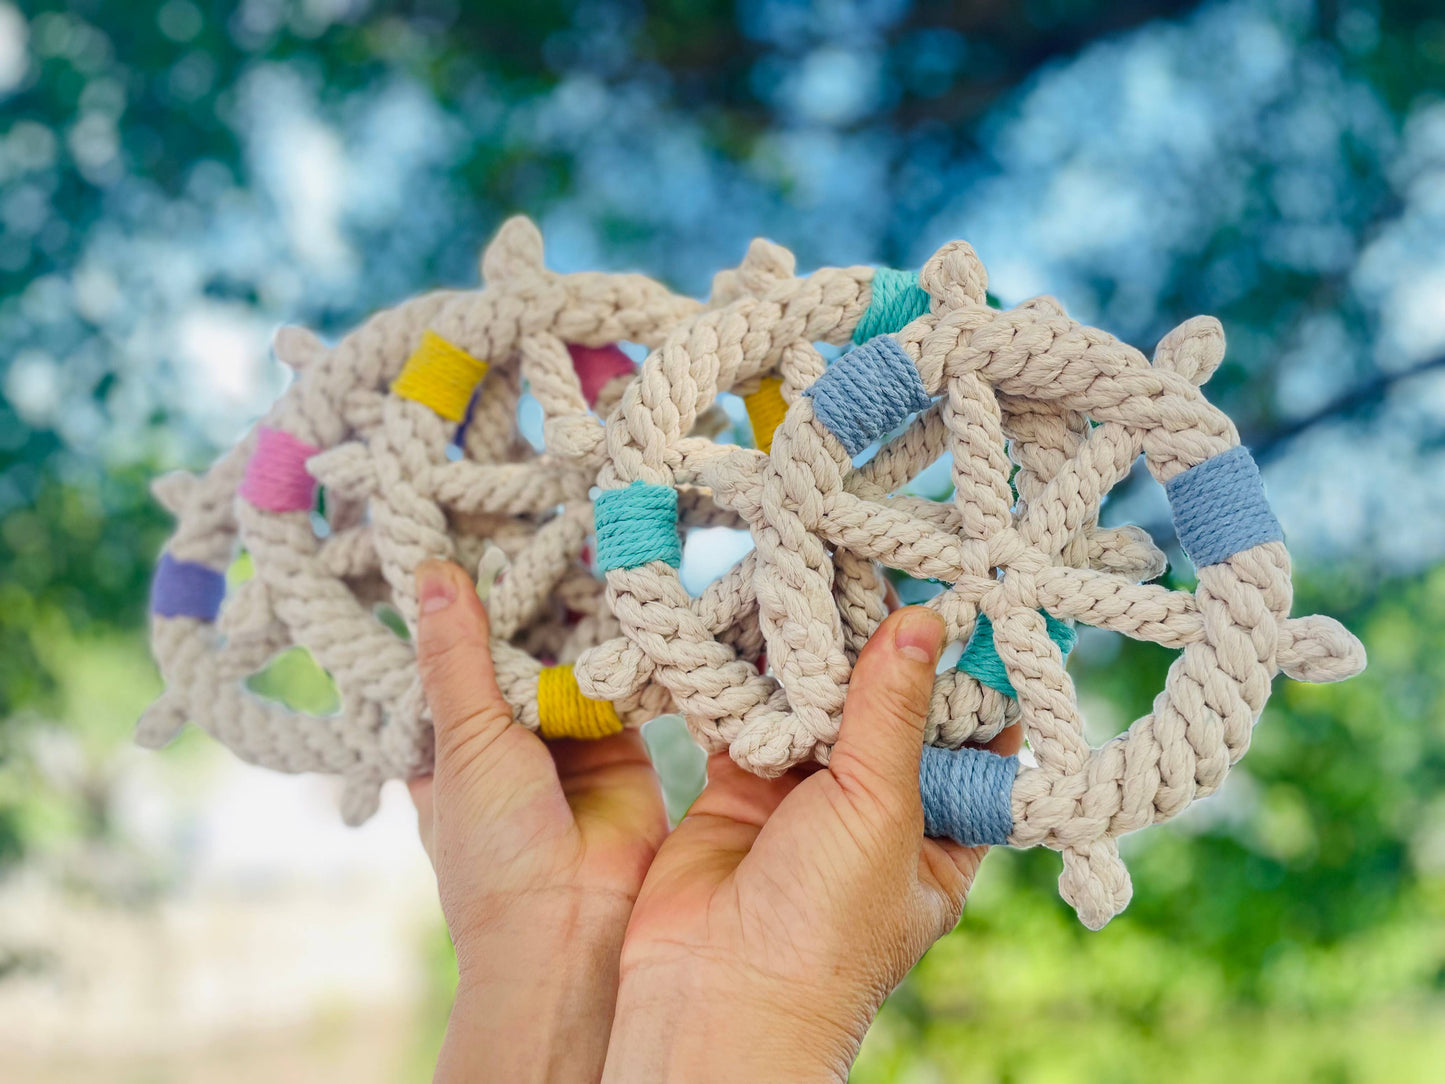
x,y
566,713
766,410
441,376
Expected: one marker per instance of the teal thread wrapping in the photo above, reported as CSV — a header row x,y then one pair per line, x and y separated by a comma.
x,y
1220,508
967,795
636,525
980,658
867,392
897,301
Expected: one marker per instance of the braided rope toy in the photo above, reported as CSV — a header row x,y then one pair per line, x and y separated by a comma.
x,y
1039,415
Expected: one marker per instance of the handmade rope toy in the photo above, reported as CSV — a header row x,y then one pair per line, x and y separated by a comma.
x,y
1039,415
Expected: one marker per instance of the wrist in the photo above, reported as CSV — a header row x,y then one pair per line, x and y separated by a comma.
x,y
535,995
698,1027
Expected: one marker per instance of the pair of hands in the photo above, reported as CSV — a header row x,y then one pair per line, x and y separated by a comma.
x,y
755,941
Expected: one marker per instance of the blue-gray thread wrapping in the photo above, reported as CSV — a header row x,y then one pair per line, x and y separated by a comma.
x,y
867,392
967,795
1220,508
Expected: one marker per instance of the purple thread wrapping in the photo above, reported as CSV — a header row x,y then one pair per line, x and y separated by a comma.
x,y
186,589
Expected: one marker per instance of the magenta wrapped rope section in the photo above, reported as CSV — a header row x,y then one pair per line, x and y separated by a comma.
x,y
967,795
276,477
597,366
186,589
867,393
1220,508
637,525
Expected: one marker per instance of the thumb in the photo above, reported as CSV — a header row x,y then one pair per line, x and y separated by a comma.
x,y
881,737
455,661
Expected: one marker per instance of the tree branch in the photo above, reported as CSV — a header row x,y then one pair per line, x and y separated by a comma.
x,y
1267,445
1355,400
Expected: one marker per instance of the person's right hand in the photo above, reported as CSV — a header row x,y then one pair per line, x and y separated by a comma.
x,y
539,848
778,915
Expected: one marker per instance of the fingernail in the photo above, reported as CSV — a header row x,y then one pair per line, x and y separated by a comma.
x,y
436,588
918,634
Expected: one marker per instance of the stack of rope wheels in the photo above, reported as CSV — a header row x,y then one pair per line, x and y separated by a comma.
x,y
592,626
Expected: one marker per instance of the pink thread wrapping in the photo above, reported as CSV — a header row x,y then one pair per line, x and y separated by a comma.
x,y
596,365
276,477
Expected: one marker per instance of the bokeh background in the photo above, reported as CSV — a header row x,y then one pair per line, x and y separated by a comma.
x,y
178,179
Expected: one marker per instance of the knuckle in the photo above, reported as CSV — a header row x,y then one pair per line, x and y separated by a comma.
x,y
894,692
443,659
855,804
466,741
898,707
885,789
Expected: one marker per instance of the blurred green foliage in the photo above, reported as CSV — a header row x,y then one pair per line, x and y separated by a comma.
x,y
1293,928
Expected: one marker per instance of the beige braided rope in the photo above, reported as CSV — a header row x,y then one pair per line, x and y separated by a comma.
x,y
1029,381
395,497
759,662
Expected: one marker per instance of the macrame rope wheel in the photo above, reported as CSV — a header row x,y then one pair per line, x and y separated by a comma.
x,y
983,383
372,421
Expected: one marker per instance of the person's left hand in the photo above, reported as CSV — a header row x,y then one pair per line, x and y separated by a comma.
x,y
539,849
781,912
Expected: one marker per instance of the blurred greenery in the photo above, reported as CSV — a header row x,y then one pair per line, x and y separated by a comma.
x,y
176,177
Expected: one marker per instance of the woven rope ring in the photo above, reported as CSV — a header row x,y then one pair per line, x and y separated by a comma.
x,y
371,421
1075,408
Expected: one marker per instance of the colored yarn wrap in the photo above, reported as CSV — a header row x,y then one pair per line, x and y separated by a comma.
x,y
980,658
566,713
867,393
637,525
441,376
186,589
966,795
276,478
766,411
1220,508
598,366
897,301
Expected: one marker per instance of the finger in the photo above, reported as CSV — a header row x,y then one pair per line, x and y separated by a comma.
x,y
890,596
722,825
472,719
737,795
1006,742
947,869
420,787
954,884
611,786
881,738
966,859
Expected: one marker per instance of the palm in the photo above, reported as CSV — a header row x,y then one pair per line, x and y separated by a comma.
x,y
580,820
766,874
616,805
